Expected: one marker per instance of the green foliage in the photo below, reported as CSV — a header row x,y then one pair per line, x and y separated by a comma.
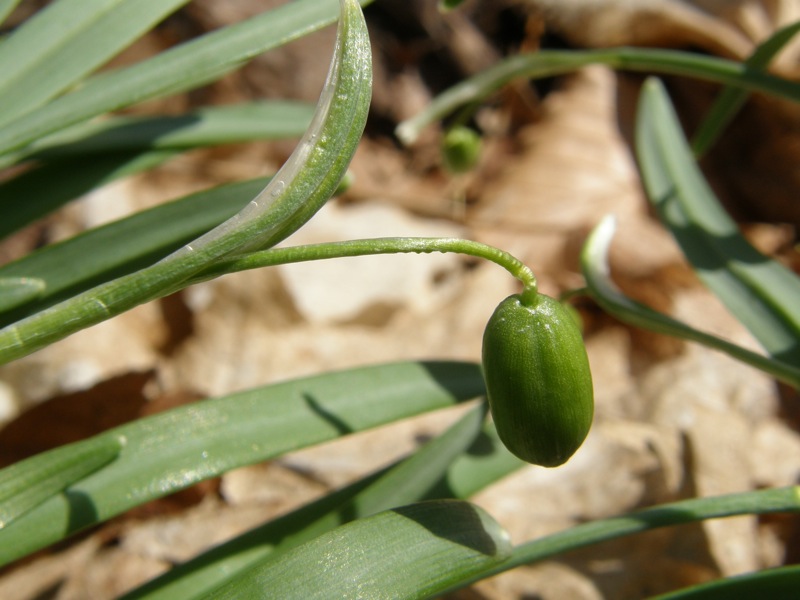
x,y
780,583
452,540
66,41
594,260
299,189
224,433
27,484
732,99
77,264
760,292
464,459
548,63
394,532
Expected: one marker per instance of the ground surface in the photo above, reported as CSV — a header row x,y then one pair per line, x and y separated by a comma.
x,y
673,420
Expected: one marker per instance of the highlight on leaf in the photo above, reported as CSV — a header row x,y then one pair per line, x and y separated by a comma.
x,y
595,267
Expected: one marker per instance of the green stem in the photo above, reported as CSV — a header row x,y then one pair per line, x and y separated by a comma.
x,y
417,245
677,513
294,254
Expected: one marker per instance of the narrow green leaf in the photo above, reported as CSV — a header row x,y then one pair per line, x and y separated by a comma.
x,y
25,485
371,557
760,292
778,500
486,461
90,156
594,263
547,63
16,291
414,478
187,66
174,450
6,6
64,42
210,570
731,100
119,248
42,189
45,32
781,583
429,473
300,188
211,126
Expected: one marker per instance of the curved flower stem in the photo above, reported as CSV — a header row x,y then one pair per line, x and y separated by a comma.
x,y
399,245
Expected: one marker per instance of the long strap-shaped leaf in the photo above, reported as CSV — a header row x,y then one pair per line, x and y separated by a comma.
x,y
594,264
25,485
207,126
760,292
410,552
781,583
174,450
187,66
761,502
299,189
84,158
17,291
731,99
6,6
70,267
64,42
464,459
547,63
